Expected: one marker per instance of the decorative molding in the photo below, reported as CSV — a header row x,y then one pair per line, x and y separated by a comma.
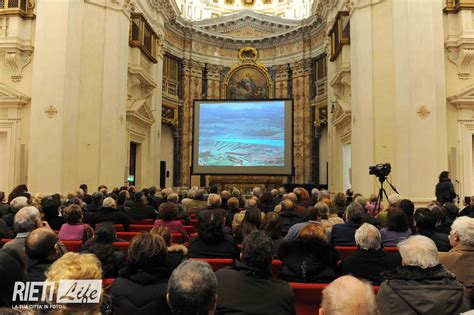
x,y
464,98
17,62
462,56
423,112
342,80
51,111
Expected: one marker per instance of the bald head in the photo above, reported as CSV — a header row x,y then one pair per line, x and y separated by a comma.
x,y
250,203
40,244
348,295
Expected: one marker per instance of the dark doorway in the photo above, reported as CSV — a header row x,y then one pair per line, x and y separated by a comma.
x,y
132,169
163,174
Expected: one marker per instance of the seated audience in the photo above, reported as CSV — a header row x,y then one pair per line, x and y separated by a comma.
x,y
50,207
182,213
238,217
468,209
233,207
15,206
85,197
41,248
451,211
211,240
421,285
309,258
271,225
111,230
339,206
19,191
177,253
4,208
96,205
249,288
408,207
265,203
369,260
343,234
314,196
192,289
225,195
12,270
366,217
251,222
289,217
5,231
168,212
74,266
425,222
327,222
140,210
460,259
110,213
153,199
393,201
26,220
312,215
112,259
142,284
348,296
195,202
74,229
397,228
372,208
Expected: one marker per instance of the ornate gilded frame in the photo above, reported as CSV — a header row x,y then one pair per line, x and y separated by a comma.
x,y
248,59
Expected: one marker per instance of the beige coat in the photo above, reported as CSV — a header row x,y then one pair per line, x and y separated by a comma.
x,y
460,261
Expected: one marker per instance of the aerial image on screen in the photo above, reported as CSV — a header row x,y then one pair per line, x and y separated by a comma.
x,y
242,134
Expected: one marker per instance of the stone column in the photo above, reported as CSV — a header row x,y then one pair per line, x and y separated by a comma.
x,y
192,90
214,81
302,120
281,81
79,95
398,94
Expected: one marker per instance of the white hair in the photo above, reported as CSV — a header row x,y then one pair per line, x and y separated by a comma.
x,y
214,200
257,192
419,251
274,192
394,199
25,219
368,237
19,202
349,295
109,202
463,227
173,197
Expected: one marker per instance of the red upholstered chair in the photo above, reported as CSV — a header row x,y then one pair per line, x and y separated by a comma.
x,y
140,227
123,246
3,241
218,263
308,297
193,216
107,283
127,235
346,251
194,223
276,266
118,227
189,229
177,238
391,249
376,289
143,222
73,246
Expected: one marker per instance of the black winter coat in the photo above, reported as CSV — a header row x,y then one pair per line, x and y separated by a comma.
x,y
315,263
140,292
445,191
289,218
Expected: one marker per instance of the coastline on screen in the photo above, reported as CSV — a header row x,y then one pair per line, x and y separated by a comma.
x,y
242,135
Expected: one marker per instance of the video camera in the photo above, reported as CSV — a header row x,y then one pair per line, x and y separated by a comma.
x,y
381,170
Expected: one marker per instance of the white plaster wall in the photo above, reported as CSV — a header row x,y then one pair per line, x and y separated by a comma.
x,y
4,162
167,152
323,155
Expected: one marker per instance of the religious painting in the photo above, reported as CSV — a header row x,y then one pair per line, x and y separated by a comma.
x,y
247,82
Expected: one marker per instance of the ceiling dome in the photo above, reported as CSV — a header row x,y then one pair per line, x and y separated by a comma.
x,y
206,9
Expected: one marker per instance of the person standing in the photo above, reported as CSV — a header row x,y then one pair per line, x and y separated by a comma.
x,y
445,189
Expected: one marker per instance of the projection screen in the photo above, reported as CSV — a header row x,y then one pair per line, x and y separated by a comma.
x,y
243,137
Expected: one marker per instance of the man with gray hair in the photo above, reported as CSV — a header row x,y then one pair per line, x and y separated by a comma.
x,y
192,289
288,216
421,285
109,213
250,203
15,205
26,220
348,296
344,234
182,212
257,192
460,259
369,260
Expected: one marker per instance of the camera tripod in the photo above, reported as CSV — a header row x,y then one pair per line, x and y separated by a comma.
x,y
382,192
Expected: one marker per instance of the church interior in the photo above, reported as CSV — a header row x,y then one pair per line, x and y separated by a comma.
x,y
104,93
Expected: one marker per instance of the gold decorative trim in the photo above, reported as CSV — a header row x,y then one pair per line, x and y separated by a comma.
x,y
248,59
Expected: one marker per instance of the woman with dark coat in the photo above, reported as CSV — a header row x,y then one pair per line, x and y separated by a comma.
x,y
266,204
251,222
445,189
309,259
142,284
